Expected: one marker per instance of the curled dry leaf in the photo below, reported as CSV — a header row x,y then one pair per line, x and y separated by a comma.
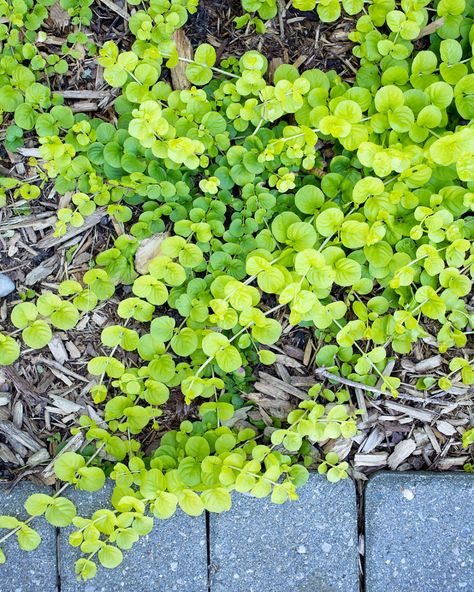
x,y
148,250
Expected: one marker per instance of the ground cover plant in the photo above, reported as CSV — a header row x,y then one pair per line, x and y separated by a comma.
x,y
247,191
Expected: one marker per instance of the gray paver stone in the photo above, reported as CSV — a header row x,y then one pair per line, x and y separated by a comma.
x,y
33,571
309,545
419,532
173,557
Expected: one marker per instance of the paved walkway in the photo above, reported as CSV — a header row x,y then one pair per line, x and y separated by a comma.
x,y
419,537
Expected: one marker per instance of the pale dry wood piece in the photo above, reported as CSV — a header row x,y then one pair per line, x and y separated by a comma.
x,y
428,364
421,414
34,152
185,50
5,399
18,437
73,350
300,61
113,6
266,418
448,409
37,222
378,459
56,347
83,106
433,440
55,40
294,352
341,446
25,388
283,372
288,361
149,249
58,16
305,382
17,414
84,94
421,439
52,241
401,452
431,27
62,377
52,364
271,390
4,413
74,444
274,63
65,405
99,319
340,379
361,403
373,440
240,415
308,350
281,14
41,272
7,456
270,402
38,458
387,371
92,413
446,428
27,247
280,384
445,464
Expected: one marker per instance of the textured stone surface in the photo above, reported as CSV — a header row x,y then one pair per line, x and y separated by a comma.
x,y
173,557
304,546
419,532
34,571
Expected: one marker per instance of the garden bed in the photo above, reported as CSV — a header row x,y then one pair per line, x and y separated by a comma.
x,y
374,342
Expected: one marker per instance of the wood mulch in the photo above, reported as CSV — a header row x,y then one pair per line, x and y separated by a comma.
x,y
42,396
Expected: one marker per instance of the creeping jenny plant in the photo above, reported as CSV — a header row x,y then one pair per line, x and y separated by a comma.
x,y
372,251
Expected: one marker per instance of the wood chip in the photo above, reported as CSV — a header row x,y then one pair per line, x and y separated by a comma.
x,y
421,414
401,452
288,361
428,365
284,386
446,428
58,16
84,94
41,272
185,50
74,444
431,27
56,347
378,459
113,6
375,438
61,368
8,456
446,463
17,437
433,440
271,390
51,241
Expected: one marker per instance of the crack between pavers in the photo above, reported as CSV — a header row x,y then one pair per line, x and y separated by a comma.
x,y
208,550
360,498
58,574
